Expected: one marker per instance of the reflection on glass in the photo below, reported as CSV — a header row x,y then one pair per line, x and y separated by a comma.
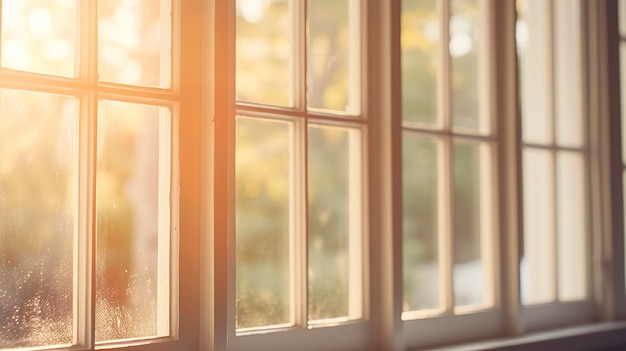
x,y
420,185
572,226
264,50
471,189
420,59
132,200
534,60
464,48
39,36
134,42
333,55
537,270
263,163
38,193
334,221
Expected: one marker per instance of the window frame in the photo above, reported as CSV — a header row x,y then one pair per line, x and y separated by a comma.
x,y
351,334
381,80
204,107
179,99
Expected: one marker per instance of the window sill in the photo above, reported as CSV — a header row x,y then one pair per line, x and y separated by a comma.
x,y
587,337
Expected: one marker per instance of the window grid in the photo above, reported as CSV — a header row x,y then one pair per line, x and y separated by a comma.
x,y
301,118
595,335
446,136
563,88
89,91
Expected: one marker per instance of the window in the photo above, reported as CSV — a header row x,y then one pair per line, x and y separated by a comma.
x,y
554,266
447,169
89,112
311,175
300,137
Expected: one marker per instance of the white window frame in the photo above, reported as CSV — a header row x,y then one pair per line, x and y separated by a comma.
x,y
180,231
205,131
351,334
561,41
383,101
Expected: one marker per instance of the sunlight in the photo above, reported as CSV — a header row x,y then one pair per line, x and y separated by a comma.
x,y
39,22
252,10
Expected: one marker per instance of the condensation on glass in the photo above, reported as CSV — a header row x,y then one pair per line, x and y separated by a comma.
x,y
132,221
40,36
421,187
335,223
264,193
38,217
135,42
555,255
333,56
265,52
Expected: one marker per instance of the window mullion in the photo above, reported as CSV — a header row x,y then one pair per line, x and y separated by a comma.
x,y
552,89
299,52
446,184
446,224
299,232
85,271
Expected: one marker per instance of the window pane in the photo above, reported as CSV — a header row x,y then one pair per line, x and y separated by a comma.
x,y
333,75
38,217
472,217
264,52
533,33
135,42
537,270
334,195
465,52
420,189
133,192
420,60
263,220
39,36
572,224
568,73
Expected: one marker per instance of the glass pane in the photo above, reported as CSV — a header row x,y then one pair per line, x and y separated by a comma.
x,y
132,215
334,195
263,220
572,224
534,60
472,217
420,60
465,53
420,202
38,217
537,270
264,52
334,38
568,73
135,42
39,36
